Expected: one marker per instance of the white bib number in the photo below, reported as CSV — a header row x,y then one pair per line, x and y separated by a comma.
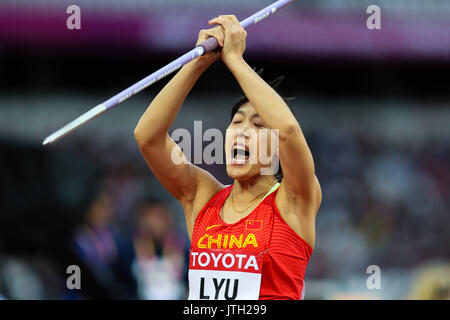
x,y
223,285
222,275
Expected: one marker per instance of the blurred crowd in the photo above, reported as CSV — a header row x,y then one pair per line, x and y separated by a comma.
x,y
385,203
373,105
138,256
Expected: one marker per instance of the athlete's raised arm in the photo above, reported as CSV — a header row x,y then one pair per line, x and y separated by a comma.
x,y
299,195
151,133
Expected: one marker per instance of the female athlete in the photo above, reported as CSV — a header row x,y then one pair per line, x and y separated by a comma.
x,y
252,239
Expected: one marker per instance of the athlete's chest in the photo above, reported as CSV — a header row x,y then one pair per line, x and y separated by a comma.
x,y
226,260
248,233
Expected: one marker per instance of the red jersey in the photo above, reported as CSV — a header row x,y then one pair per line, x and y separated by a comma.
x,y
258,257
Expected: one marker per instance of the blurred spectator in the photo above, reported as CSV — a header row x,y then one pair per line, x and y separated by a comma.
x,y
160,252
30,277
108,254
432,282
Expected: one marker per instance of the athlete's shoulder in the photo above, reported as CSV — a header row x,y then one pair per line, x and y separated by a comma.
x,y
207,193
213,197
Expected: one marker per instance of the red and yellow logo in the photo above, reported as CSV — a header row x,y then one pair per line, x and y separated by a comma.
x,y
227,241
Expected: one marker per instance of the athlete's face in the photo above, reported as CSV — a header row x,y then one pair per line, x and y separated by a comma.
x,y
251,147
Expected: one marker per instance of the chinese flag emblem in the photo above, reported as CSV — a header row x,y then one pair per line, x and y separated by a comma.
x,y
254,225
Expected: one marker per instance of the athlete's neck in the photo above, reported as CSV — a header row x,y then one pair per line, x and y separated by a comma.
x,y
245,191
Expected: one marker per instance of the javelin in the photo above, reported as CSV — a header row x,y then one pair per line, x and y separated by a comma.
x,y
206,46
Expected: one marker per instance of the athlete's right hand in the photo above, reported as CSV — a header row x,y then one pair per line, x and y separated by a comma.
x,y
211,57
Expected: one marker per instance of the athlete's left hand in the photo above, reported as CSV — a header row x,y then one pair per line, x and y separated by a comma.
x,y
234,42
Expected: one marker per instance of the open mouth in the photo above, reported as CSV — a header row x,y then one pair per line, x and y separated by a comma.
x,y
239,154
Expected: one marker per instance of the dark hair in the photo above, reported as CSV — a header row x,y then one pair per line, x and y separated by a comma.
x,y
275,83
